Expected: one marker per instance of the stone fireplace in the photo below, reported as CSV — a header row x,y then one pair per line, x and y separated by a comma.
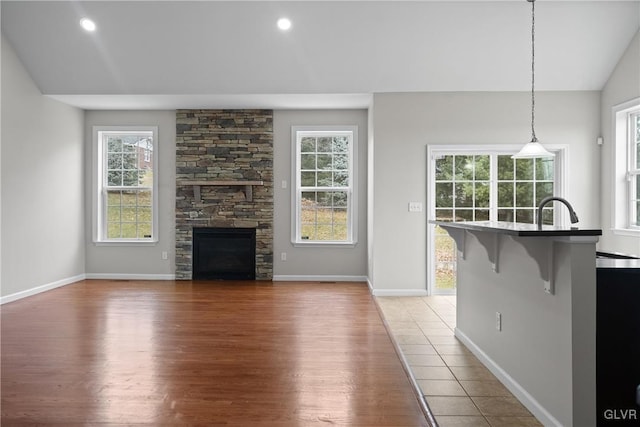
x,y
224,179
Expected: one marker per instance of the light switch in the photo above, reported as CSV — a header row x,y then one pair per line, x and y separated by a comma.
x,y
415,207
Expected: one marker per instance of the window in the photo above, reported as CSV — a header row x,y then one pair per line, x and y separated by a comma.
x,y
482,184
626,191
466,191
522,184
324,191
462,187
126,185
633,174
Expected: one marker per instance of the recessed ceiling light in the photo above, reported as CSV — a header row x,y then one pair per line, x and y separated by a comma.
x,y
284,24
88,24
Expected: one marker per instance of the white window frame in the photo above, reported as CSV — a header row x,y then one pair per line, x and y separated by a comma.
x,y
297,132
561,174
99,189
624,168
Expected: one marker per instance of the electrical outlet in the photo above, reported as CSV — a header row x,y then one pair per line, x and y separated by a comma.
x,y
498,321
165,255
283,256
283,184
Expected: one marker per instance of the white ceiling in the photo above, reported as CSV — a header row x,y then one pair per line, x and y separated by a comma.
x,y
229,54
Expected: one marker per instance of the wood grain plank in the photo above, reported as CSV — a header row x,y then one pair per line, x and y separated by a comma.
x,y
202,353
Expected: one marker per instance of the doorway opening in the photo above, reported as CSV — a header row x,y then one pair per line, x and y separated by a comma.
x,y
476,184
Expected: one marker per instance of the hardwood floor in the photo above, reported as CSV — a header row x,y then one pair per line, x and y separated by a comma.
x,y
202,353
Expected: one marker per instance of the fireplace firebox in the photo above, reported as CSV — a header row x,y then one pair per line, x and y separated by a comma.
x,y
224,253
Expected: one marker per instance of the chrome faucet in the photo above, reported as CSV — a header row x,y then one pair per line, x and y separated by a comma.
x,y
543,202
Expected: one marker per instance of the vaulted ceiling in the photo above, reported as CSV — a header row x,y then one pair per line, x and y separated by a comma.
x,y
189,54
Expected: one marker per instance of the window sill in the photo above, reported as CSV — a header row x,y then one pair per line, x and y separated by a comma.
x,y
324,244
126,243
626,232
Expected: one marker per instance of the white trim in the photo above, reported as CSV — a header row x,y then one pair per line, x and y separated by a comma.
x,y
317,278
632,171
125,276
352,190
514,387
43,288
97,204
127,243
399,292
444,293
620,162
561,187
370,285
325,244
626,232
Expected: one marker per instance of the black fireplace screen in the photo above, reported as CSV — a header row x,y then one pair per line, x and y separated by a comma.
x,y
224,253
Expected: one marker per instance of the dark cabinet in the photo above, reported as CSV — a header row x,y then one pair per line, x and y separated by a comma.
x,y
618,342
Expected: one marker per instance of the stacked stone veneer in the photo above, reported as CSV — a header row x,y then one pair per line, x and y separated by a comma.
x,y
224,145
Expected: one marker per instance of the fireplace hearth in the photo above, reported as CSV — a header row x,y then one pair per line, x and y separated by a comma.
x,y
224,253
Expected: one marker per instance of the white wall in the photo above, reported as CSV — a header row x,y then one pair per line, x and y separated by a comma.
x,y
135,261
623,85
405,123
545,351
345,263
145,261
42,186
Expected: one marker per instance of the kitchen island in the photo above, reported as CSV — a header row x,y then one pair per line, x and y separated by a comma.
x,y
526,307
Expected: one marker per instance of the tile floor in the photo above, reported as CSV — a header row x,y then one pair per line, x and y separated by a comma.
x,y
459,390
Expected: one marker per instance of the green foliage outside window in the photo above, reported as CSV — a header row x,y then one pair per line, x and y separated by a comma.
x,y
324,172
463,189
129,185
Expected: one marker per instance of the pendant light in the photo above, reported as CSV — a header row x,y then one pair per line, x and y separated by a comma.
x,y
533,149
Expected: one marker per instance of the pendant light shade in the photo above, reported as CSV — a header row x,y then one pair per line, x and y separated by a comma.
x,y
533,149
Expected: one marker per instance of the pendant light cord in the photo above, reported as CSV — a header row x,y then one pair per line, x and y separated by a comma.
x,y
533,74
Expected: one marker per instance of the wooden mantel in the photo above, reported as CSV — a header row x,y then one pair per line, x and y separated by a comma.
x,y
248,186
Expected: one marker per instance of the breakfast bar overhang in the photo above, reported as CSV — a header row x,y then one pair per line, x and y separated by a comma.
x,y
526,307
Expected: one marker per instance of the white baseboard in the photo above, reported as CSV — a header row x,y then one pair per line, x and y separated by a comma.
x,y
514,387
40,289
399,292
318,278
118,276
396,292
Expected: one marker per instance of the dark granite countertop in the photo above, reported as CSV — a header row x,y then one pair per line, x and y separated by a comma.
x,y
519,229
